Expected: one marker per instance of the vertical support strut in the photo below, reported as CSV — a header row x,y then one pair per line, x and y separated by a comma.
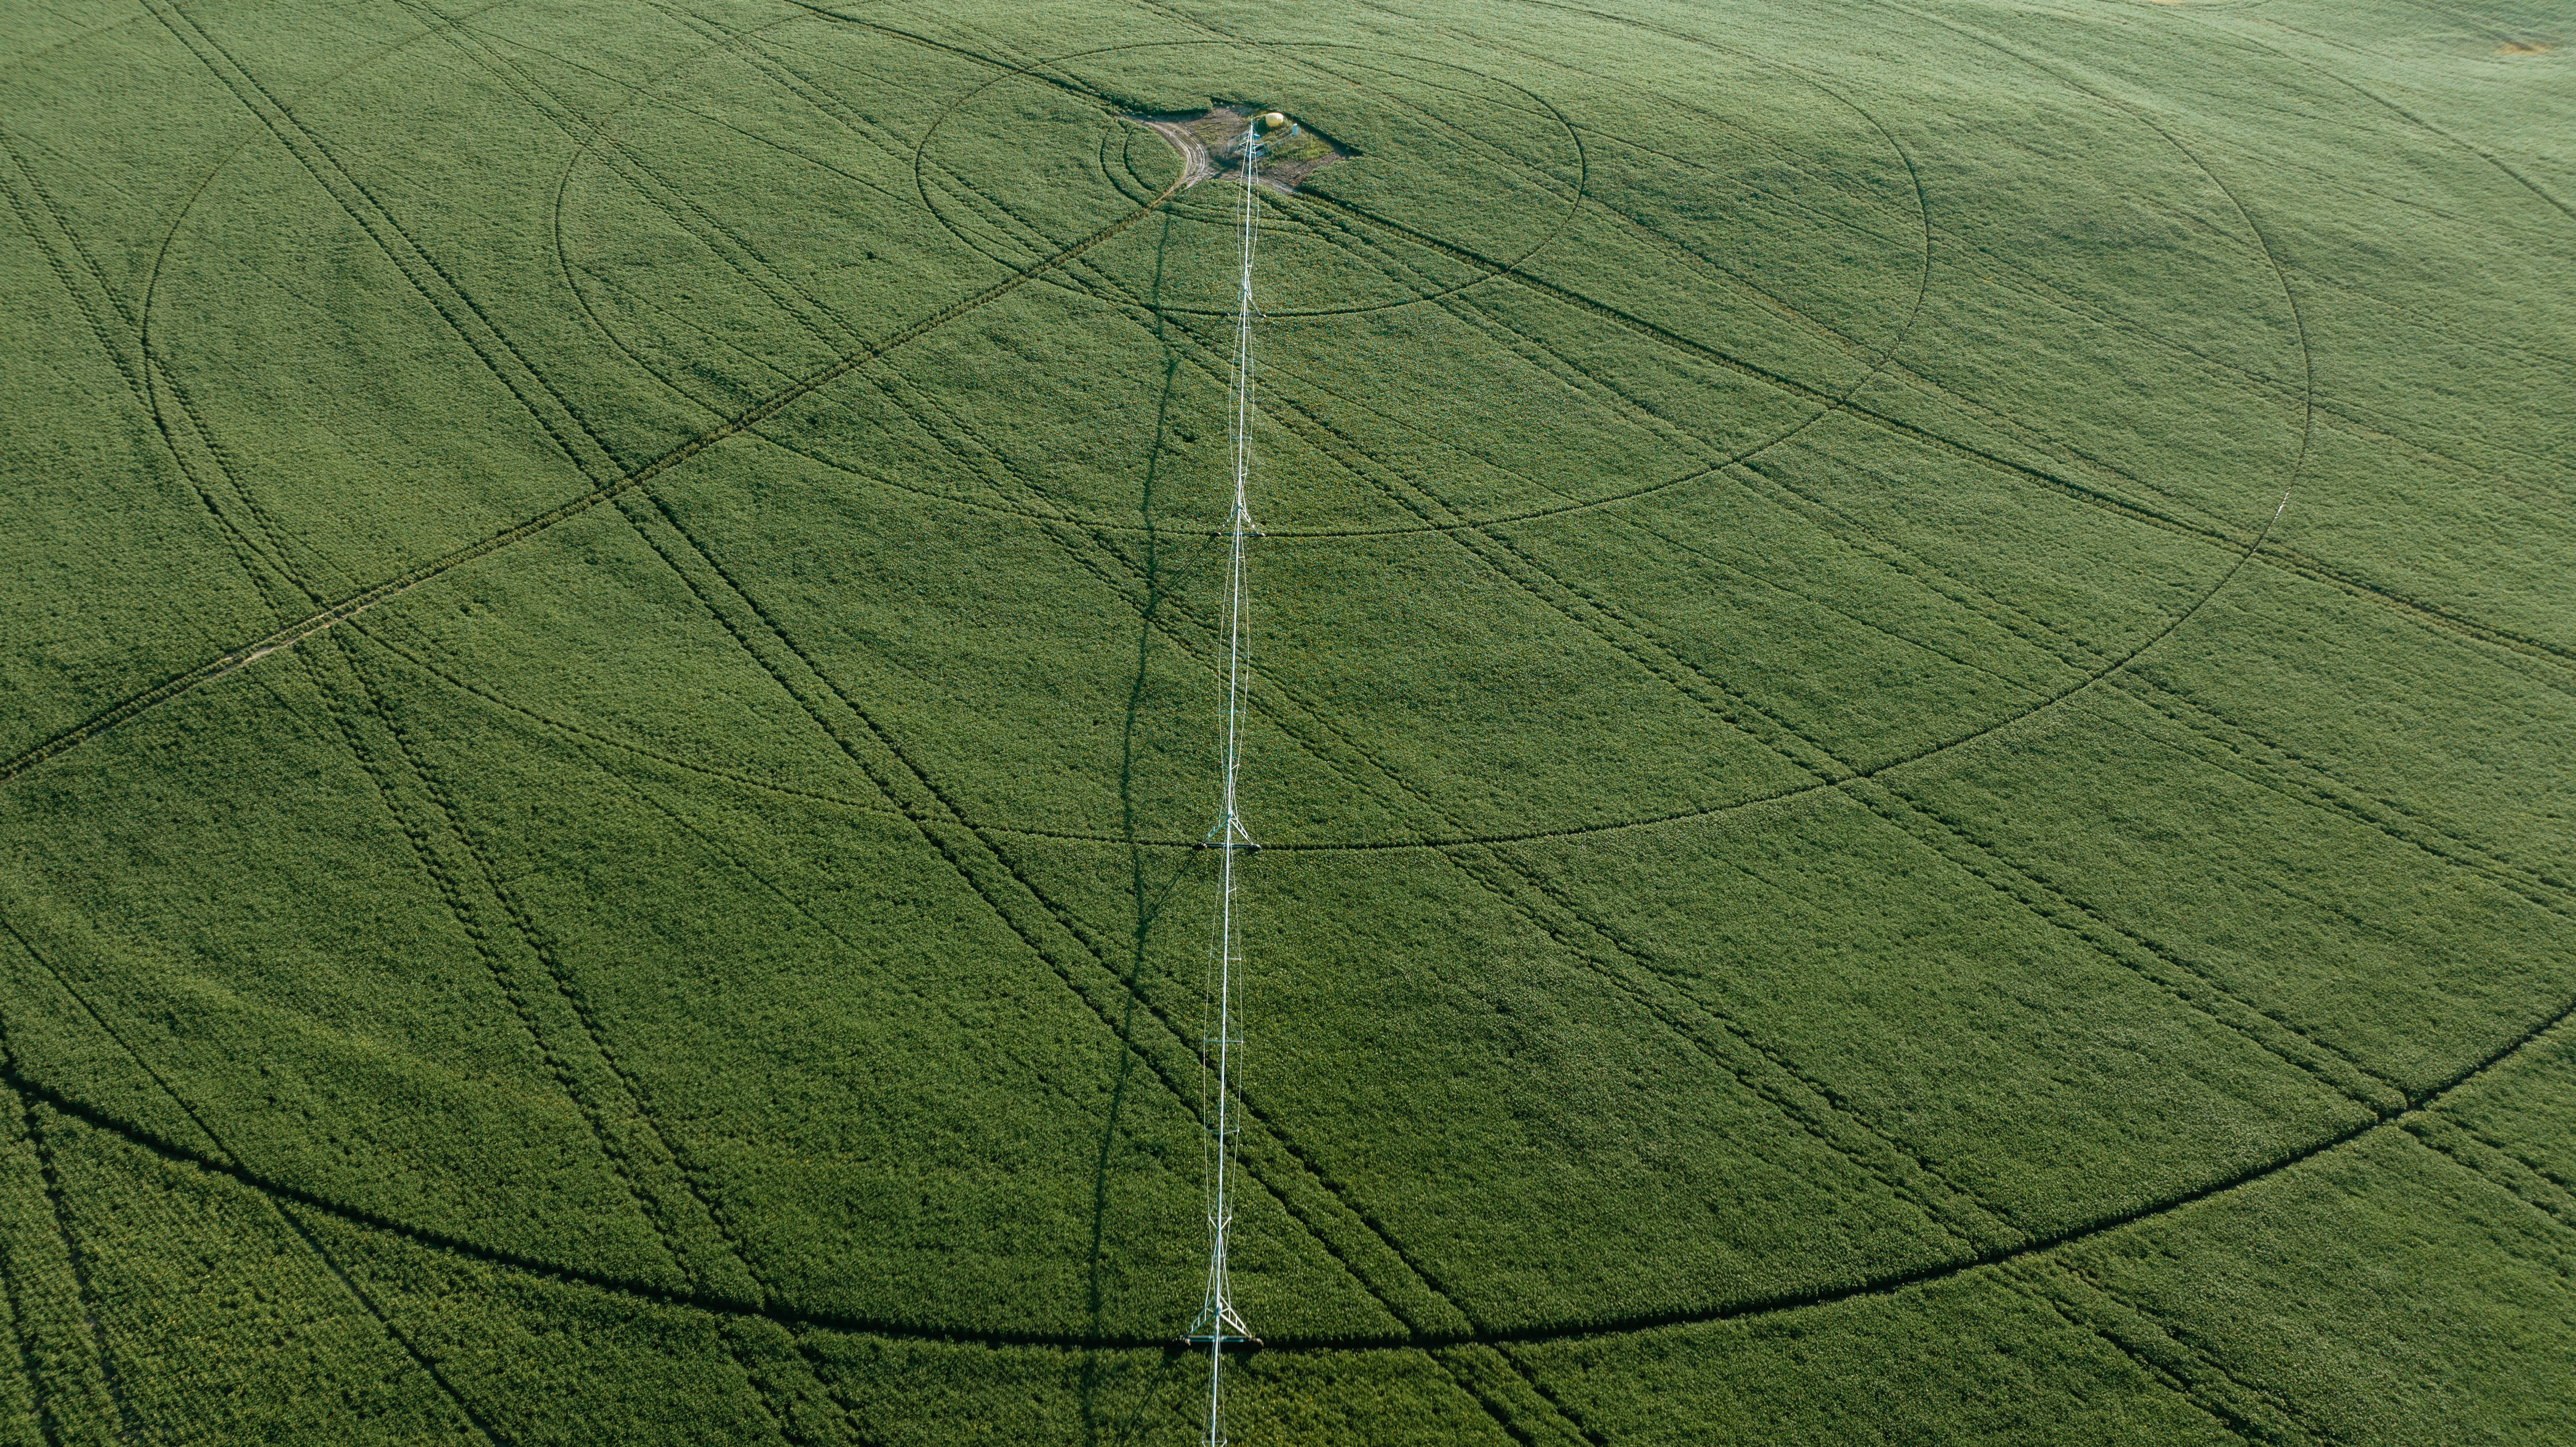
x,y
1217,1322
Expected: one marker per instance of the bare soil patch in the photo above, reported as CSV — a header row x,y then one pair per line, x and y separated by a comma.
x,y
1211,147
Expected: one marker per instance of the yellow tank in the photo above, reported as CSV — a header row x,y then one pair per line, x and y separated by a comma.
x,y
1263,125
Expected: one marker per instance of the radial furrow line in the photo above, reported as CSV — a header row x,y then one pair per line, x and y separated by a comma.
x,y
111,1373
2090,496
1916,1180
134,370
819,95
2274,1032
2059,641
1505,1390
1882,1157
114,341
367,1302
2265,762
1802,1099
1515,565
142,1062
621,1099
683,1233
938,817
280,541
2415,120
2506,1170
2248,1416
725,243
2274,555
1756,579
431,835
22,1335
2207,1359
2560,657
670,1219
592,736
2546,1173
1920,1184
1070,1098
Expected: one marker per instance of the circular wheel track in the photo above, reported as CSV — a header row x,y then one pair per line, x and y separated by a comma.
x,y
1577,1329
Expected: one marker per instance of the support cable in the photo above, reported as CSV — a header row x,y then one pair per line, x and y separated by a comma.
x,y
1218,1322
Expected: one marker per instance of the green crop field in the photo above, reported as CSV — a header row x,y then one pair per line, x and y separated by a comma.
x,y
1913,709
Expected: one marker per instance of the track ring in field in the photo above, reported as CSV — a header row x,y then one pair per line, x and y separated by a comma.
x,y
1614,1325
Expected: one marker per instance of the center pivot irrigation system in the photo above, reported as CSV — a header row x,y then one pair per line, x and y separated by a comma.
x,y
1218,1322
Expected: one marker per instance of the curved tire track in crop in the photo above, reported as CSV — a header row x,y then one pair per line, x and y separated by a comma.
x,y
2418,1109
577,1072
2295,777
353,604
1832,403
2229,574
564,422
